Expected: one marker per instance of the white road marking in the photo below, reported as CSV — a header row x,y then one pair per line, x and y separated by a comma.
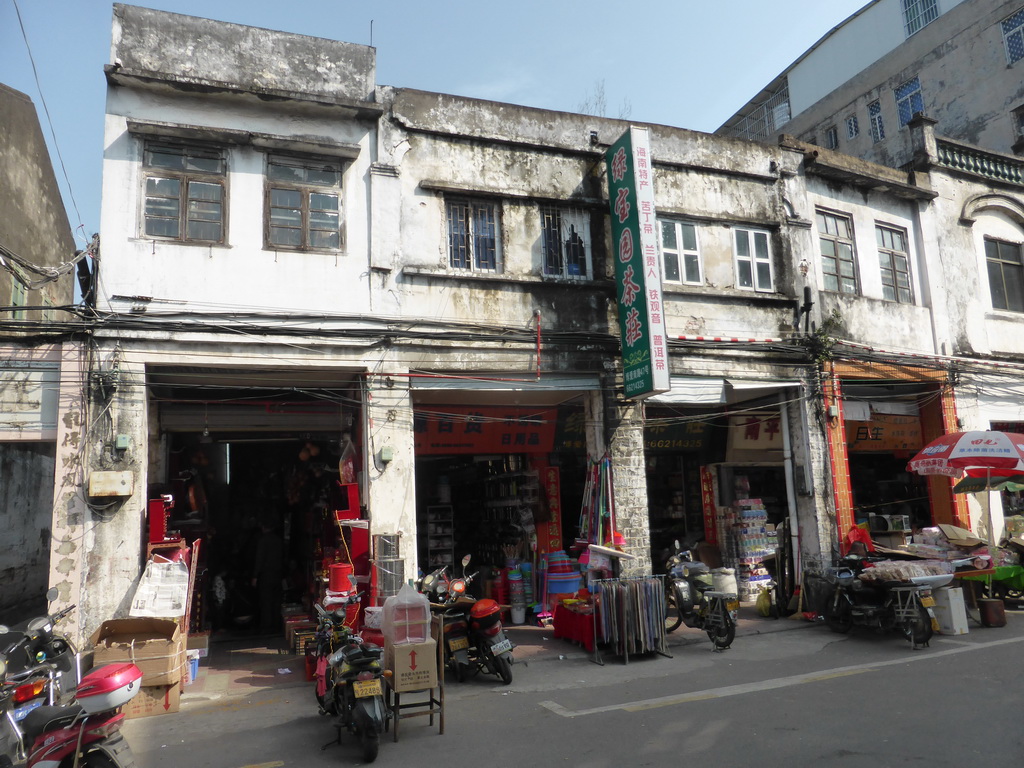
x,y
767,685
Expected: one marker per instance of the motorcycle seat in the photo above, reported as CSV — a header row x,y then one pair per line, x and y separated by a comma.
x,y
45,718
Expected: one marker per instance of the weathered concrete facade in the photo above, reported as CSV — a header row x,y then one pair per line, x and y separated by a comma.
x,y
35,238
386,317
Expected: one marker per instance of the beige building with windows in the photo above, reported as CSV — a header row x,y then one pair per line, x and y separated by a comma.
x,y
855,90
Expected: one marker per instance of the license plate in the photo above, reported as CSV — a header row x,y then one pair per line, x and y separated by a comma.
x,y
364,688
20,713
503,647
928,602
732,605
458,644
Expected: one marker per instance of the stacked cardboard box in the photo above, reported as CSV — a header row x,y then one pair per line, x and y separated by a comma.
x,y
155,646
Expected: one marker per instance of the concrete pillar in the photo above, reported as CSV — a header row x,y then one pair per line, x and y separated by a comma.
x,y
629,478
67,543
391,484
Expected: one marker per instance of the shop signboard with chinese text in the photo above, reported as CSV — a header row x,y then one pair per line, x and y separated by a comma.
x,y
885,432
456,429
755,432
707,504
645,364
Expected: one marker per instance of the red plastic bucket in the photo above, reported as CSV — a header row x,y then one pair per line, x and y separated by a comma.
x,y
340,578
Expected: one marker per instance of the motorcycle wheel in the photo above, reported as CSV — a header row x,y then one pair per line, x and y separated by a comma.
x,y
504,668
369,742
723,635
838,619
920,632
673,616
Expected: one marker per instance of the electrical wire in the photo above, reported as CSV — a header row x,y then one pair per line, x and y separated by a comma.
x,y
49,120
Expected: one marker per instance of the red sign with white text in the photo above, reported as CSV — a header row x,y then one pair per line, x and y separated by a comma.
x,y
480,429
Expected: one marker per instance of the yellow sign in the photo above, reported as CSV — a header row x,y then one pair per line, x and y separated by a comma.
x,y
885,432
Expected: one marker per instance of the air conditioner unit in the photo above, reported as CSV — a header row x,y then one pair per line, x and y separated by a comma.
x,y
879,523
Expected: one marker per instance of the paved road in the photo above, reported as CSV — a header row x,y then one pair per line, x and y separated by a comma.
x,y
789,698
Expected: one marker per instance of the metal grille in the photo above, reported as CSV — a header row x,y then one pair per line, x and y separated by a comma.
x,y
919,13
764,121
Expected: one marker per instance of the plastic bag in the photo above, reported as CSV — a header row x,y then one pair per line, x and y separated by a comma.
x,y
406,617
764,603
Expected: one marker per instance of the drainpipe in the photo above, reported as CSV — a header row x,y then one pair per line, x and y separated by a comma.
x,y
787,463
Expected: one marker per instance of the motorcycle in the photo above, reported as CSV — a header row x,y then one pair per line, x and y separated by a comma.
x,y
691,599
474,639
906,607
348,680
32,643
84,733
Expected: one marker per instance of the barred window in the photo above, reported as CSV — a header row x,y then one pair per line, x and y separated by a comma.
x,y
566,241
473,235
918,14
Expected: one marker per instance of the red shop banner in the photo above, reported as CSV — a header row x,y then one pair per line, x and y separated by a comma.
x,y
480,429
707,501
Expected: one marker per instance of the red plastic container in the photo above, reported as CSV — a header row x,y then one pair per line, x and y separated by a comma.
x,y
341,578
108,687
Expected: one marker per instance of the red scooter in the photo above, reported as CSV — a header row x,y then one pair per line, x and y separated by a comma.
x,y
474,640
85,733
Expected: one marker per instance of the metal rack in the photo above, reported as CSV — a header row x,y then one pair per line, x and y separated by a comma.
x,y
636,627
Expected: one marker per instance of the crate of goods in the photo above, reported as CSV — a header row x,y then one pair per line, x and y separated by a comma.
x,y
155,646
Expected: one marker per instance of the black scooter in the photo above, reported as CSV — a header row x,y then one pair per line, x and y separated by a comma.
x,y
349,684
691,599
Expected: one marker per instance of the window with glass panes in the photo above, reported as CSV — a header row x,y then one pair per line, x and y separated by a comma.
x,y
894,263
565,239
875,118
1013,36
753,260
835,242
909,100
680,257
473,241
184,193
852,127
1005,274
303,203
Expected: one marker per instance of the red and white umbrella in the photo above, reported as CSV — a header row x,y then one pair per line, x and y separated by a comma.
x,y
987,454
979,453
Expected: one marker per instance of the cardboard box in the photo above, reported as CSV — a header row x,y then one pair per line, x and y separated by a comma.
x,y
200,641
950,610
155,646
154,700
414,665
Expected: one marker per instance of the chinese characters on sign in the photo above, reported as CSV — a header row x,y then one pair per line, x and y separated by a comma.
x,y
707,503
885,432
484,429
645,364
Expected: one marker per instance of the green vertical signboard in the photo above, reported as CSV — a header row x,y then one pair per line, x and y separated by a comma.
x,y
645,365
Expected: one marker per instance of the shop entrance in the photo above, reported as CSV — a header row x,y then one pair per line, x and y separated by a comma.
x,y
503,484
256,475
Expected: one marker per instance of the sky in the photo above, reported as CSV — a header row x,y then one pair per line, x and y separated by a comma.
x,y
684,63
